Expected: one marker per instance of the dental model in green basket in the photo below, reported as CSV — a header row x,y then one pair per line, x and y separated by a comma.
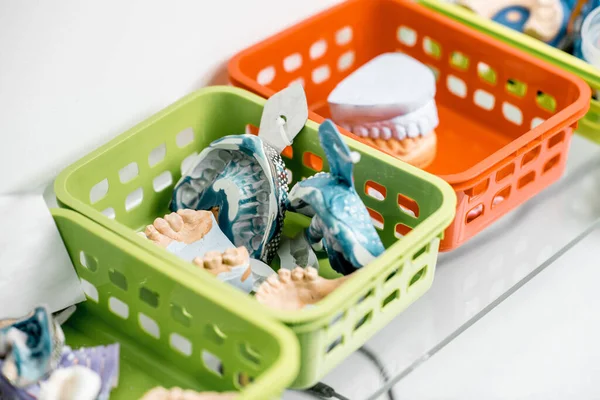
x,y
341,225
242,179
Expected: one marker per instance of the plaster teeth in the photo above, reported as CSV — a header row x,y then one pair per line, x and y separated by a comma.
x,y
424,127
386,133
375,132
360,131
400,132
412,130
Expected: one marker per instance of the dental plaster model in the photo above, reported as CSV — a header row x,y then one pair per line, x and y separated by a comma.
x,y
390,103
543,19
196,237
243,176
30,347
72,383
340,225
160,393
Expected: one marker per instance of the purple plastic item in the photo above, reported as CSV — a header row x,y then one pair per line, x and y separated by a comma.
x,y
104,360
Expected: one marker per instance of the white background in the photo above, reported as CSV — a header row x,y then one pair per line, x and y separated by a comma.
x,y
74,74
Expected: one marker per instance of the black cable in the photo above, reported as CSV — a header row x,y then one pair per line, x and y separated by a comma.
x,y
325,391
384,374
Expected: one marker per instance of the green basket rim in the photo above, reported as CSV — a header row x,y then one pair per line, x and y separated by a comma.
x,y
286,367
538,48
314,316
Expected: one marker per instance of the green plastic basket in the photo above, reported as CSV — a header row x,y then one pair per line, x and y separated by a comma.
x,y
173,331
344,320
589,126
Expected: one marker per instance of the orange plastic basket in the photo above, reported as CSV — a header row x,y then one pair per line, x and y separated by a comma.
x,y
506,118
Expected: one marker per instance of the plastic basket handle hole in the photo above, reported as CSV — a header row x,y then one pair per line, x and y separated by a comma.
x,y
526,180
408,206
250,354
395,295
212,363
553,162
376,219
418,276
337,342
375,190
361,322
98,191
531,155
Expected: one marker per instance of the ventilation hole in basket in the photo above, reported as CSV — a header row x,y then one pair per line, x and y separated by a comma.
x,y
292,62
395,295
512,113
401,230
408,206
526,180
318,49
162,181
505,172
212,363
501,196
531,155
242,380
545,101
157,155
134,199
456,86
297,80
337,342
266,76
214,334
436,72
486,73
312,161
320,74
484,99
459,61
180,344
289,175
90,290
478,189
376,218
180,314
516,87
556,139
99,191
128,172
474,213
375,190
110,213
343,36
345,61
88,261
338,317
149,325
363,320
431,47
185,137
418,276
553,162
366,295
117,279
391,275
422,251
118,307
250,353
288,152
536,121
149,297
188,163
406,36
